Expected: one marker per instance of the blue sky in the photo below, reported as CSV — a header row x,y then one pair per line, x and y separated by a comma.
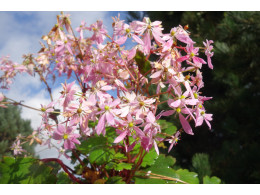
x,y
20,34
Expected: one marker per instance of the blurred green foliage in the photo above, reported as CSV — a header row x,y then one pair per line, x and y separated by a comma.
x,y
11,124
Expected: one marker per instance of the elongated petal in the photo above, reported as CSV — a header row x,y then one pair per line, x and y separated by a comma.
x,y
184,39
168,113
147,43
191,101
198,60
185,124
68,144
209,62
175,104
69,49
187,86
59,49
150,117
181,59
156,74
74,140
157,37
132,146
167,45
156,147
61,129
121,40
132,53
110,118
199,121
115,102
120,137
137,39
139,132
101,125
57,136
164,113
208,123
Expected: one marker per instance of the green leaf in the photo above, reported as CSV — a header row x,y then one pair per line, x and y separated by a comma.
x,y
119,156
122,166
167,127
149,158
211,180
101,155
115,180
143,64
111,165
92,124
187,176
110,135
200,162
62,178
162,166
25,171
92,143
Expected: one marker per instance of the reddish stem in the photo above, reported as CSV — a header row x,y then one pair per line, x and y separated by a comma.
x,y
64,167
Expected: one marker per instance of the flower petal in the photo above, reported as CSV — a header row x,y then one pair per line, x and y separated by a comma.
x,y
120,137
185,124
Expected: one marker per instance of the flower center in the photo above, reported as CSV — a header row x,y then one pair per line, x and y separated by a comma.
x,y
182,97
172,33
79,110
65,136
192,54
127,30
141,103
130,124
178,110
187,77
106,108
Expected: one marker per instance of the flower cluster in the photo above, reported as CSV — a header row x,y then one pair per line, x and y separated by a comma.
x,y
112,84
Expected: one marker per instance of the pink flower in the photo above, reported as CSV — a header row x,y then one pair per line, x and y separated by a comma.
x,y
66,134
173,141
109,111
208,52
180,106
46,110
127,105
17,148
99,32
202,116
181,35
62,152
99,91
128,127
62,45
192,54
148,28
81,28
68,93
